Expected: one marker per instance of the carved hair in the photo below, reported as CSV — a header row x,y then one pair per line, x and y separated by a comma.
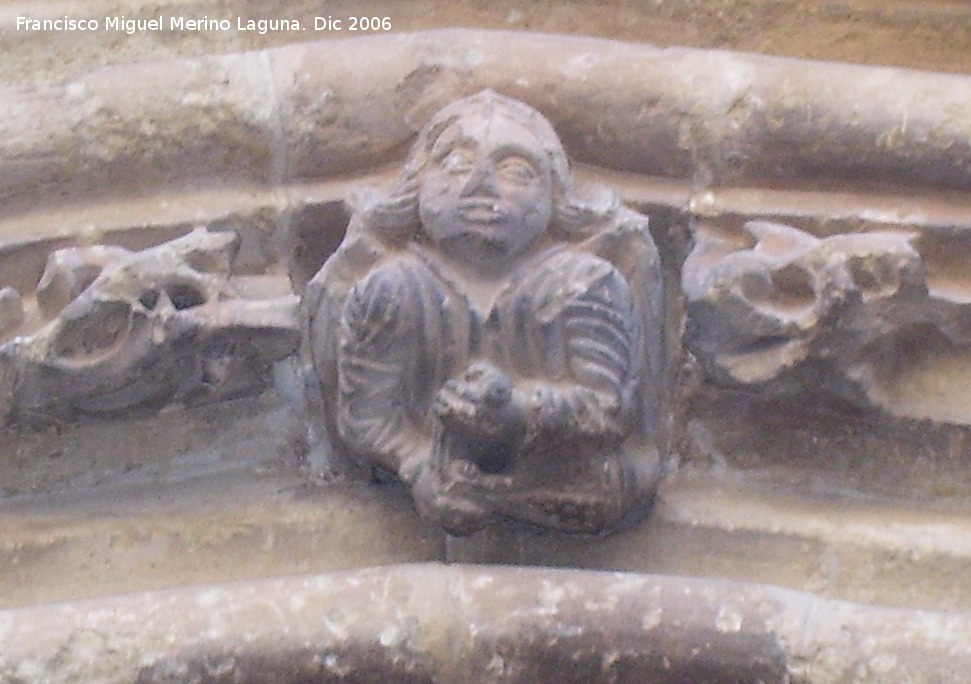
x,y
393,216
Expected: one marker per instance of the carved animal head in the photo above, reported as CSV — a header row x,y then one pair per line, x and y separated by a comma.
x,y
135,331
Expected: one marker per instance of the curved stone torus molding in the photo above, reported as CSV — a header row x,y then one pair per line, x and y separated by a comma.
x,y
432,623
311,111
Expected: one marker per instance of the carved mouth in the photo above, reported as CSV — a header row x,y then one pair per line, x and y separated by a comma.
x,y
481,211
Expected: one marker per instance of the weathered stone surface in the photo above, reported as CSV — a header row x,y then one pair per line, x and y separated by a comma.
x,y
252,516
909,33
120,132
849,317
430,623
312,110
885,328
492,336
769,528
102,512
11,309
130,332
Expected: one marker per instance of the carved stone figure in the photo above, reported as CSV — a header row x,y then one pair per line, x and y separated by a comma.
x,y
132,332
490,336
859,317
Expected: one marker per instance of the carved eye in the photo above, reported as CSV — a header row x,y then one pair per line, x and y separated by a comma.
x,y
516,170
148,299
458,162
185,296
92,333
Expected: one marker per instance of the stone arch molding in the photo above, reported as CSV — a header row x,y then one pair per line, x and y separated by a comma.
x,y
435,623
820,211
314,111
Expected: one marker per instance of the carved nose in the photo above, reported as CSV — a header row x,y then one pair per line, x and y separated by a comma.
x,y
481,183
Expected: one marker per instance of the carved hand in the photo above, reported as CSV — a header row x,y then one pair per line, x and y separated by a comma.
x,y
479,403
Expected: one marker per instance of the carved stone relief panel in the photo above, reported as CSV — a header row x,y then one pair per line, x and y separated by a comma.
x,y
489,335
491,331
484,325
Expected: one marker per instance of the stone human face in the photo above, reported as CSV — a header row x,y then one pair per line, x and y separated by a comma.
x,y
486,195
